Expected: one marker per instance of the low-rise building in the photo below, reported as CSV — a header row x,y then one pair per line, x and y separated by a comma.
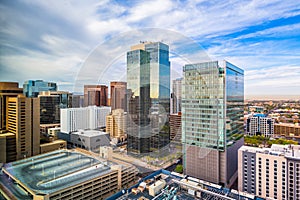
x,y
90,140
168,185
287,130
260,125
64,174
52,146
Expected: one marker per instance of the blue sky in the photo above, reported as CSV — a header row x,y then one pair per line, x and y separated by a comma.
x,y
64,41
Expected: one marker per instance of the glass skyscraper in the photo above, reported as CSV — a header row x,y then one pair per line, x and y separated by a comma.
x,y
148,90
32,88
212,120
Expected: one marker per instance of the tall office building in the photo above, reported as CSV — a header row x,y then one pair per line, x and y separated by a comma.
x,y
50,104
258,125
95,95
74,119
148,84
7,139
23,116
32,88
175,127
116,124
272,173
176,95
76,101
138,94
212,120
118,95
7,89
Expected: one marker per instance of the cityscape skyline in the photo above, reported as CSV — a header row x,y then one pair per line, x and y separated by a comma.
x,y
260,37
170,99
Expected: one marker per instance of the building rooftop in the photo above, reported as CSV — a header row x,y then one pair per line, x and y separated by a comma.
x,y
53,142
291,151
289,124
171,185
54,171
90,133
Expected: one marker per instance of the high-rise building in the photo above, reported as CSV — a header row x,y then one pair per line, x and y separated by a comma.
x,y
138,94
23,121
19,128
76,101
258,125
212,120
272,173
148,68
116,124
175,127
32,88
118,95
95,95
7,89
176,95
74,119
50,104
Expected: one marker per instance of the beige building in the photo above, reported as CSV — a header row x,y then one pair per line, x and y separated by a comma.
x,y
23,121
7,89
116,124
287,130
52,146
175,127
49,132
7,140
7,147
270,172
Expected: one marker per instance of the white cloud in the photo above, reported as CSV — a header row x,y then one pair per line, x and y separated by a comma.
x,y
46,38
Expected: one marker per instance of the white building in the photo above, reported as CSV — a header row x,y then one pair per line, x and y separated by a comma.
x,y
260,125
74,119
270,172
90,140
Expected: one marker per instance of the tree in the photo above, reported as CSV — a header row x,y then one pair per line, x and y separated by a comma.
x,y
179,168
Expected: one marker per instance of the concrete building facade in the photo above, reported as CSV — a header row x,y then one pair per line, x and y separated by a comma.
x,y
176,95
90,140
95,95
92,117
7,140
270,172
257,125
23,121
118,97
175,127
287,130
7,89
116,124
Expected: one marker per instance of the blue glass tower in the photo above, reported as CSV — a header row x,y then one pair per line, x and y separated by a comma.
x,y
32,88
148,65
